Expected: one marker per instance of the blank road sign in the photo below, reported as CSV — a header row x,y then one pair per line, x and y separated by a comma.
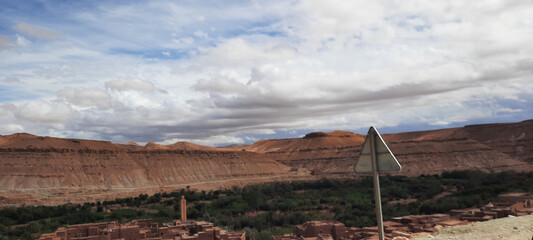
x,y
386,162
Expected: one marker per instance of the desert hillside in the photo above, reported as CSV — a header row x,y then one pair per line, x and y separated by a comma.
x,y
35,169
47,170
330,153
489,147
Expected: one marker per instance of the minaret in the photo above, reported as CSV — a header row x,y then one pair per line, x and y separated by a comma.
x,y
183,209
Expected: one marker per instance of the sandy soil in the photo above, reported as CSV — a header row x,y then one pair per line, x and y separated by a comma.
x,y
509,228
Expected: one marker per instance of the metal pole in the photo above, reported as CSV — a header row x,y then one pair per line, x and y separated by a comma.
x,y
377,193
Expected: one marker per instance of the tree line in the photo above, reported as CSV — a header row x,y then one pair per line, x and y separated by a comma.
x,y
274,208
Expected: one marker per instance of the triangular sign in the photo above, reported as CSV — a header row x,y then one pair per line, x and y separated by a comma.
x,y
386,162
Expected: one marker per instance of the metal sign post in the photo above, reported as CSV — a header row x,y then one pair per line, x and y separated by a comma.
x,y
377,192
375,158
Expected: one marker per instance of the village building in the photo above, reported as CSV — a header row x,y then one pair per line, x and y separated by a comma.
x,y
146,229
397,228
408,226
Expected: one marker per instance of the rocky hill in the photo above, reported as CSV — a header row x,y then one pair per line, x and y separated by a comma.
x,y
37,169
47,170
322,153
488,147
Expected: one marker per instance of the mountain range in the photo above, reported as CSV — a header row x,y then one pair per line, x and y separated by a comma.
x,y
46,170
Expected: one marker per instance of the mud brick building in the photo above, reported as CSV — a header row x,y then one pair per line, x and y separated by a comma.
x,y
334,229
398,227
495,210
317,230
144,229
516,204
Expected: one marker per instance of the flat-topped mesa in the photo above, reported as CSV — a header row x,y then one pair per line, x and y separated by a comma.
x,y
192,146
315,140
329,153
74,168
487,147
85,170
336,133
315,135
28,141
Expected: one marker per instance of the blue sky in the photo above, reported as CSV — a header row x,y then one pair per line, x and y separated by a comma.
x,y
233,72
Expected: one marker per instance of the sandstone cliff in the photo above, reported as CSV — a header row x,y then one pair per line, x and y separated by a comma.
x,y
33,168
488,147
46,170
322,153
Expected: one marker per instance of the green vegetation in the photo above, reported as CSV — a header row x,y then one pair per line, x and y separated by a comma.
x,y
274,208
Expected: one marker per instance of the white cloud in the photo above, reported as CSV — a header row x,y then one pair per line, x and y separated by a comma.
x,y
11,80
441,123
5,42
200,34
199,18
87,97
508,110
209,141
12,128
231,70
130,84
238,52
46,112
36,32
7,108
22,41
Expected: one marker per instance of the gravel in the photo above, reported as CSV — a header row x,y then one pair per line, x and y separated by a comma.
x,y
509,228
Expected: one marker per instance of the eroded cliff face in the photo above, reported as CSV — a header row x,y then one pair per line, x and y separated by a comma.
x,y
45,170
31,169
513,139
41,169
321,153
490,147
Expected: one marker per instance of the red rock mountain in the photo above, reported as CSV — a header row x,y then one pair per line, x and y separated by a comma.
x,y
331,153
488,147
47,170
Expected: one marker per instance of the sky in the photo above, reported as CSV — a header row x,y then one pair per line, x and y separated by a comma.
x,y
234,72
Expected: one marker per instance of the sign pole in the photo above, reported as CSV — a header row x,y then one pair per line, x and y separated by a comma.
x,y
375,157
377,193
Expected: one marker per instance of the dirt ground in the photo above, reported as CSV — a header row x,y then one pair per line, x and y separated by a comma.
x,y
509,228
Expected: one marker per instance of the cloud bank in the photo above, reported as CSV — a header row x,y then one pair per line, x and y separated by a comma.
x,y
222,73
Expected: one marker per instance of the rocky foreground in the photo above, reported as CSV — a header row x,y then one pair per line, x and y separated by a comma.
x,y
46,170
510,228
